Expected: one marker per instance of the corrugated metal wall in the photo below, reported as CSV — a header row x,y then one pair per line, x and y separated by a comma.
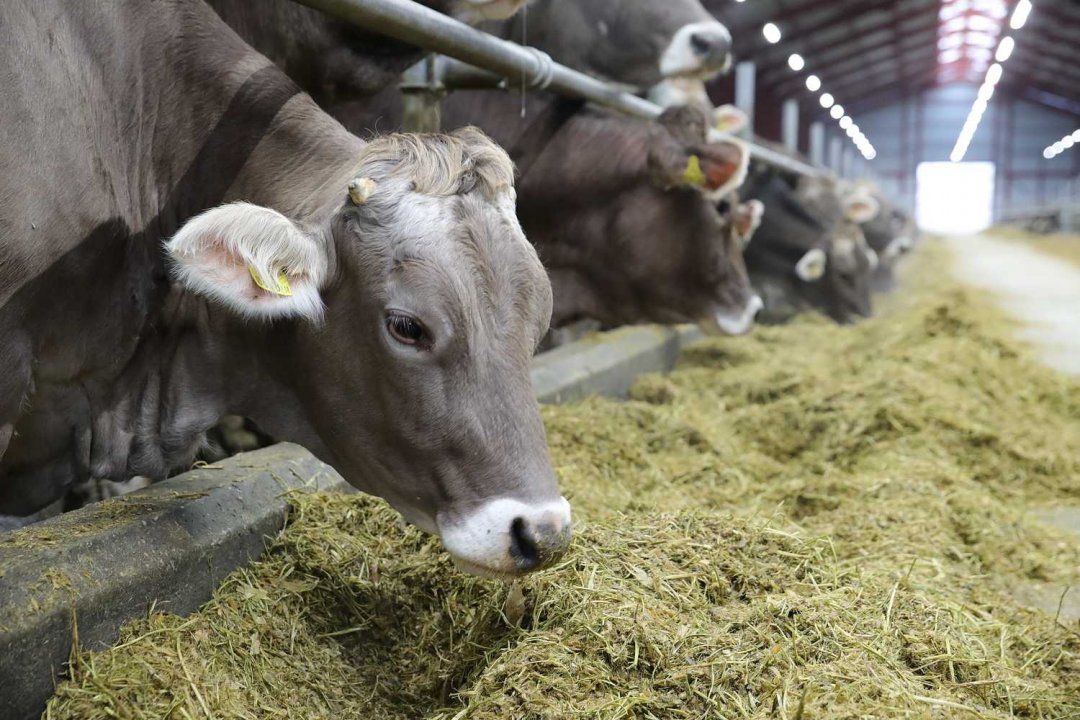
x,y
1013,134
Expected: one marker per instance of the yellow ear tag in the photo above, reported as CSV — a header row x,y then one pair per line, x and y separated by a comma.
x,y
283,288
693,174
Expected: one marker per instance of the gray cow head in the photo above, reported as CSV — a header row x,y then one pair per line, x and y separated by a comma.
x,y
851,264
404,318
850,260
809,251
889,233
636,42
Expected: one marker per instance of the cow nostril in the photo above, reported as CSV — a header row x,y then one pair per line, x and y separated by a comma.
x,y
538,542
523,546
702,44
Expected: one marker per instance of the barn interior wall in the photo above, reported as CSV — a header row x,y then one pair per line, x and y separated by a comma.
x,y
1013,133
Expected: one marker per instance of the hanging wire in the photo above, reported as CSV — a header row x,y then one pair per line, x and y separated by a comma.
x,y
524,41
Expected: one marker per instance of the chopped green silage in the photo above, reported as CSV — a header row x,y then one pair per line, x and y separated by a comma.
x,y
810,522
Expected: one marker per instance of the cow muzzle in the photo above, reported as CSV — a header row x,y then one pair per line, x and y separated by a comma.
x,y
507,538
734,324
697,50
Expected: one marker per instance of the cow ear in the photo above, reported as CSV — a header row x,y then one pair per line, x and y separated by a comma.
x,y
811,267
718,168
724,166
729,119
861,208
748,219
253,260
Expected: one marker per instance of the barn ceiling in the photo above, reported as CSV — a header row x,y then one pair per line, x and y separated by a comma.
x,y
867,52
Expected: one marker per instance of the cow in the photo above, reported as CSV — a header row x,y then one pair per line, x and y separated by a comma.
x,y
333,60
637,43
809,252
890,234
626,235
374,301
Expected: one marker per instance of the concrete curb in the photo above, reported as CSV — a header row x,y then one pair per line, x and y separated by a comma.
x,y
168,545
171,544
608,364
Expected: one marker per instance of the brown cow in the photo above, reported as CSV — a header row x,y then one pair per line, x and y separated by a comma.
x,y
376,302
626,236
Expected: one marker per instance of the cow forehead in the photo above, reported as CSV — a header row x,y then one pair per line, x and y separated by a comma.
x,y
473,253
501,262
472,235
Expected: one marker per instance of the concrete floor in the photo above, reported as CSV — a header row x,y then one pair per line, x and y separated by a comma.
x,y
1043,293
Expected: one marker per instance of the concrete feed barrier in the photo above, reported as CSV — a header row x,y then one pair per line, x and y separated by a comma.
x,y
608,363
170,545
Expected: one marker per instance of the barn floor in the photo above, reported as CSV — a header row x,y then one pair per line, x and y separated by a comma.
x,y
808,522
1033,281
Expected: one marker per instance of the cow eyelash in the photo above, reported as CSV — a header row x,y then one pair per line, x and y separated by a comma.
x,y
406,330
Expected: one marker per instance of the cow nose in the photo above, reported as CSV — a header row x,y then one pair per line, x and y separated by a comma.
x,y
534,545
755,306
698,49
713,45
506,537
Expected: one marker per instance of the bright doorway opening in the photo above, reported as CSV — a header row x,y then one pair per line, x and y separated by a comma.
x,y
954,198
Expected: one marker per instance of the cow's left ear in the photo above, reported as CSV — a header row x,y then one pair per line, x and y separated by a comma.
x,y
861,208
253,260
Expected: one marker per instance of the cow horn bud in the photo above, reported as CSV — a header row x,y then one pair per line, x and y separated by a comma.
x,y
360,189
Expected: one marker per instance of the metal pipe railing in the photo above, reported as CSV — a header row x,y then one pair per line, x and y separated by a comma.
x,y
417,25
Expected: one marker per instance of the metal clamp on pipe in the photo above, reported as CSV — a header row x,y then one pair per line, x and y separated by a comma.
x,y
457,75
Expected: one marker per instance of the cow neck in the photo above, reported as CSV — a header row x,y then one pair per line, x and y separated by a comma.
x,y
277,149
141,367
244,367
303,164
300,166
270,146
267,143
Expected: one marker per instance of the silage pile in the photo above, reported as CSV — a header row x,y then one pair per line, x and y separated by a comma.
x,y
812,522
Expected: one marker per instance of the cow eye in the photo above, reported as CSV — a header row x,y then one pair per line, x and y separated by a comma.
x,y
404,329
